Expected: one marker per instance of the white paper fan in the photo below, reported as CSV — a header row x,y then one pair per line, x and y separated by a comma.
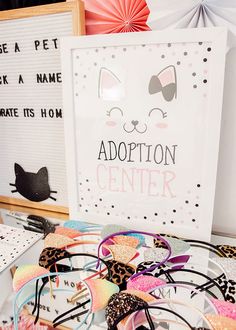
x,y
166,14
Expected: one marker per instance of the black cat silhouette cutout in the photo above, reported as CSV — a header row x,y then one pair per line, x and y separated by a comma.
x,y
32,186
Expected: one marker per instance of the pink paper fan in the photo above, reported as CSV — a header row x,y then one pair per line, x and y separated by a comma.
x,y
114,16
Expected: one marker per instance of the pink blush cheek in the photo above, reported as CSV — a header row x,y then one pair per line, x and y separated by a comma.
x,y
111,123
161,125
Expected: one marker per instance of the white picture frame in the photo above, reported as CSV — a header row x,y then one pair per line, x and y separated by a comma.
x,y
200,50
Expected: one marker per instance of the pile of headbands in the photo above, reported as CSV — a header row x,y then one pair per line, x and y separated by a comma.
x,y
135,280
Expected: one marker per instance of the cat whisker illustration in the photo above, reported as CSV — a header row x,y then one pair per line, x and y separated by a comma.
x,y
13,185
53,192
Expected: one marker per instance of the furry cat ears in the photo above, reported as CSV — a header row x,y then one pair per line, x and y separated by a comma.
x,y
110,87
42,172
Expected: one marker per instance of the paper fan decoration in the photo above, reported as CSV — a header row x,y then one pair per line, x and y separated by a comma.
x,y
114,16
192,13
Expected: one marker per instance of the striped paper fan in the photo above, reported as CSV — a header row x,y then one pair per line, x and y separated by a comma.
x,y
114,16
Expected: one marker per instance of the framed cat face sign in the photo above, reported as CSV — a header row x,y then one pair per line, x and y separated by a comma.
x,y
142,128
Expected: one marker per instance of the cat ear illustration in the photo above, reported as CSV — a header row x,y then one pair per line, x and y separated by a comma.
x,y
18,169
165,82
110,87
43,174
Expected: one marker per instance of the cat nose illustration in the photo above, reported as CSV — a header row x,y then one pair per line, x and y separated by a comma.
x,y
134,122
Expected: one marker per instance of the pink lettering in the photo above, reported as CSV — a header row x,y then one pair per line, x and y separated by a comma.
x,y
168,177
100,167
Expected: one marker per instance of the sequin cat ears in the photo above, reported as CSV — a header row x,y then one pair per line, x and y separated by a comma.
x,y
25,273
73,233
61,241
122,304
178,246
81,226
220,250
111,236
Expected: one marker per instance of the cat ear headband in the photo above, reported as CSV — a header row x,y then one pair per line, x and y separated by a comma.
x,y
101,291
219,250
219,307
108,230
142,233
214,322
18,304
200,288
81,226
49,259
73,233
124,303
60,241
121,305
179,263
205,245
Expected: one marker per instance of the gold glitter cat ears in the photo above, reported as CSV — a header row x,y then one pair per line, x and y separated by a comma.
x,y
124,249
60,241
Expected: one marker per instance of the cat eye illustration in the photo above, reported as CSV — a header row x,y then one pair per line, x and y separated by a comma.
x,y
159,116
32,186
114,115
164,82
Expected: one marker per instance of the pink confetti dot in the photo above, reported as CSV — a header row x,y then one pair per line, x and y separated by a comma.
x,y
196,52
173,53
189,191
190,65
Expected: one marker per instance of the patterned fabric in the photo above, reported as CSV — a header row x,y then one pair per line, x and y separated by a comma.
x,y
120,272
229,250
228,287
